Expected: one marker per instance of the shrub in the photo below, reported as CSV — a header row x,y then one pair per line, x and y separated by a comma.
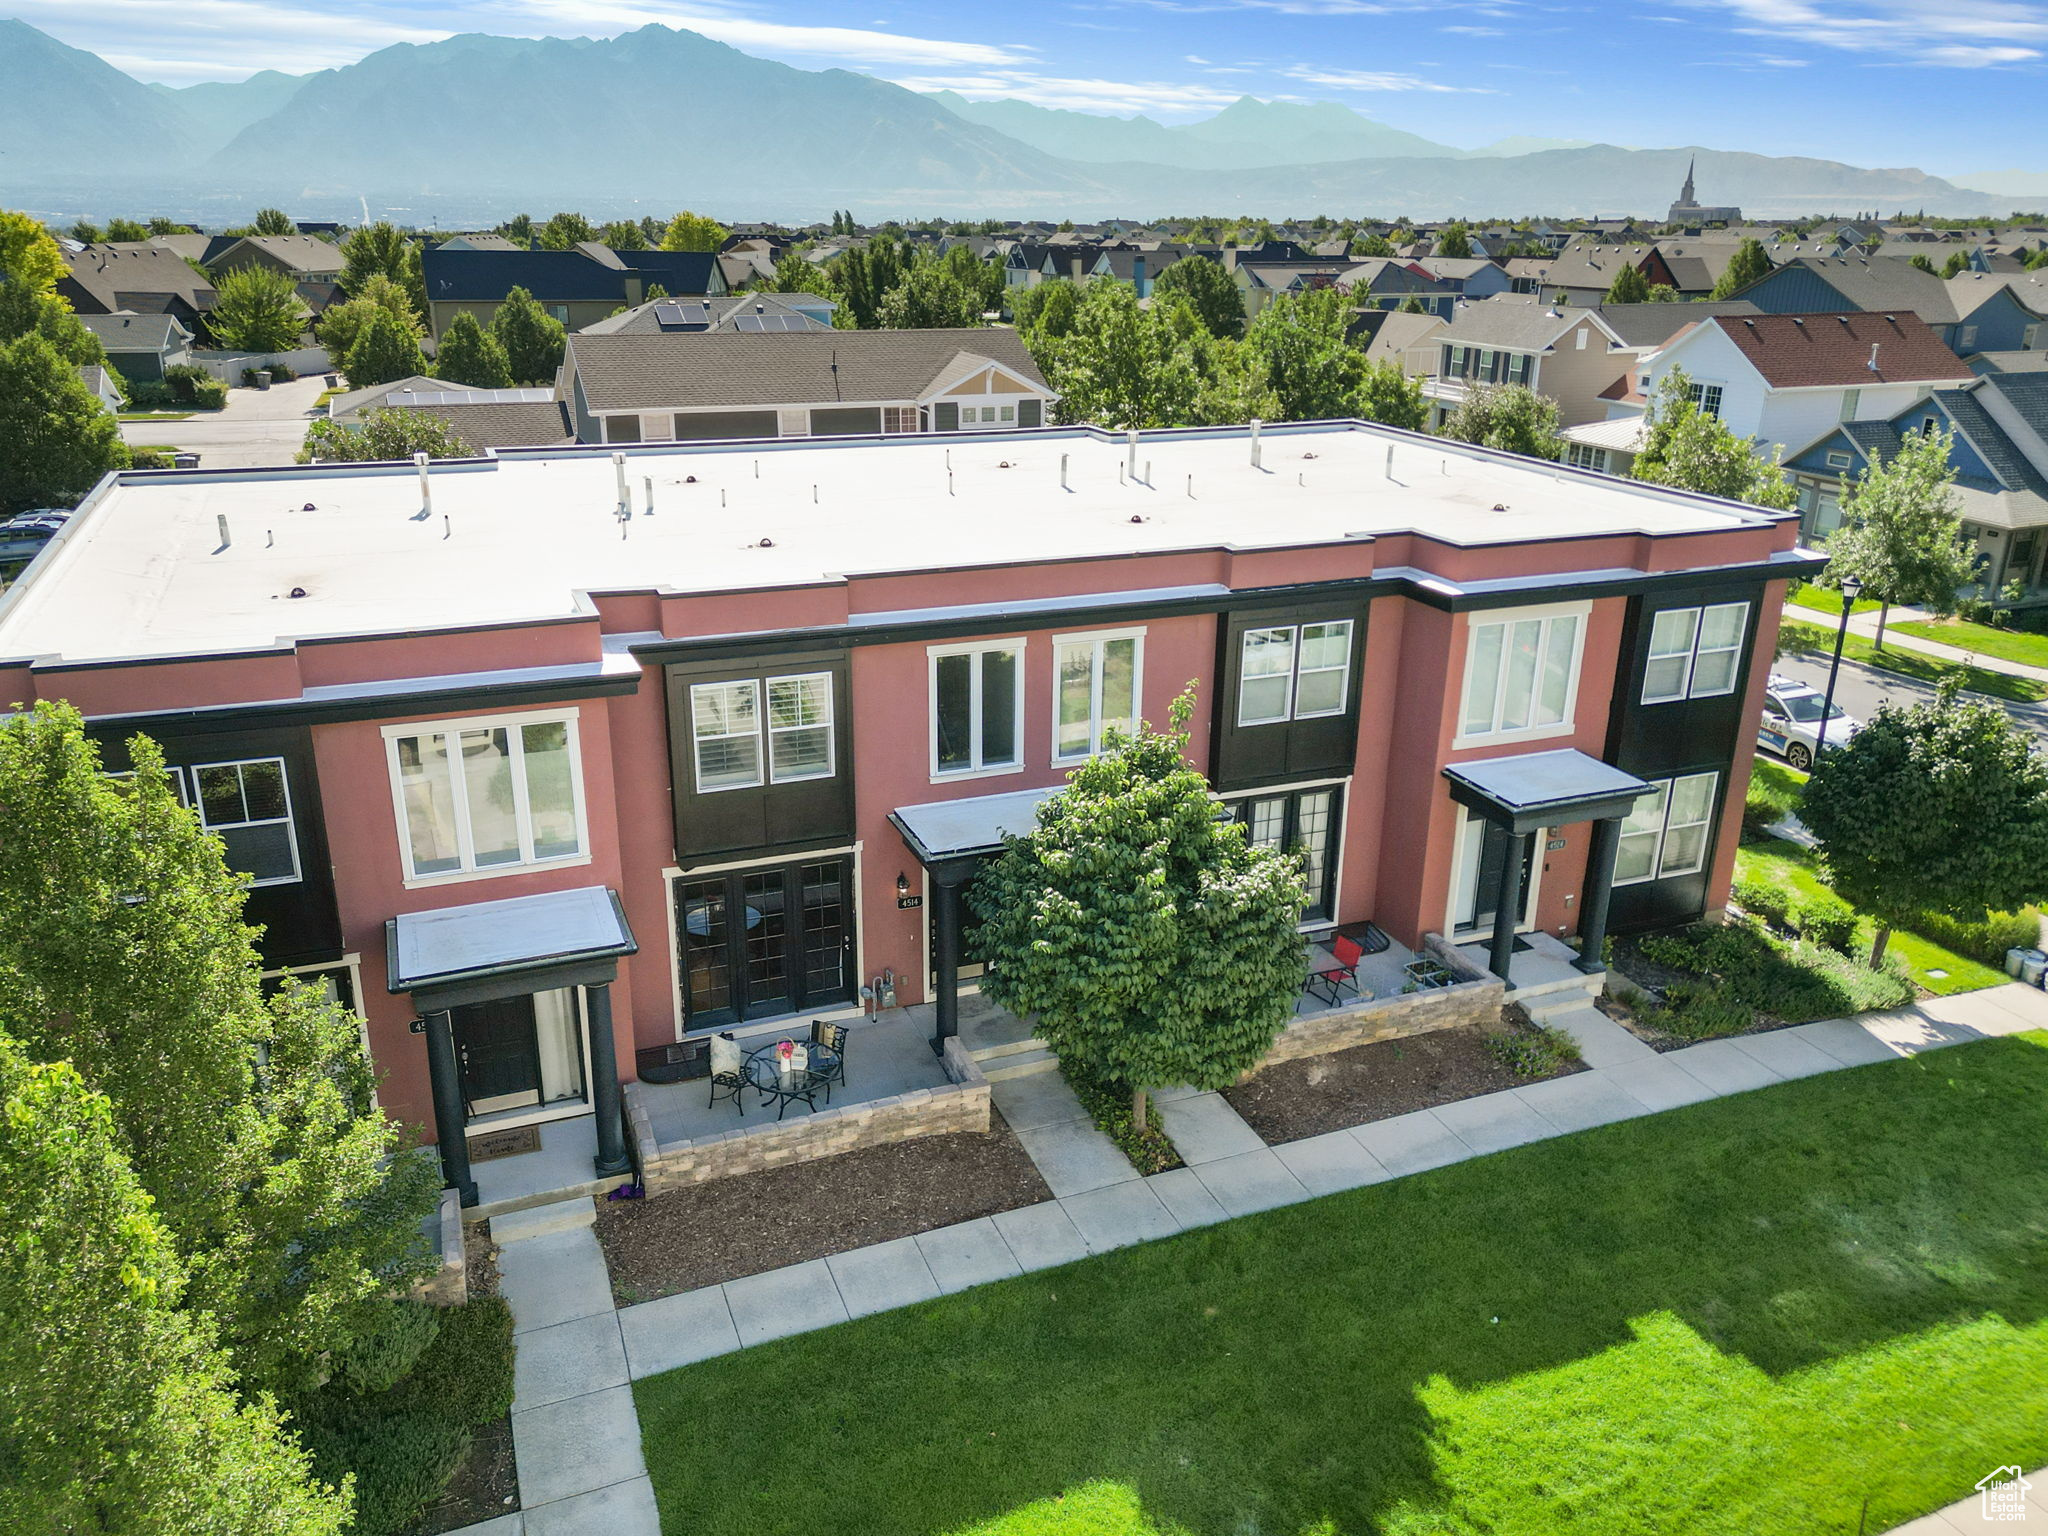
x,y
1698,1011
402,1461
1827,921
467,1368
1534,1052
183,387
1762,898
377,1361
1109,1106
1986,941
282,373
1739,963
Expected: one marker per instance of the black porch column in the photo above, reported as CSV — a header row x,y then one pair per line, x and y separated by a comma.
x,y
946,957
449,1117
1507,909
604,1086
1599,886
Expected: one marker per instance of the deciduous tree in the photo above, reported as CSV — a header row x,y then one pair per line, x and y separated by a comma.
x,y
1690,450
274,221
565,231
56,436
689,231
532,338
1299,344
929,296
256,309
471,355
342,324
623,235
1046,311
1512,417
127,231
1153,944
391,435
1902,532
1940,807
1211,290
384,350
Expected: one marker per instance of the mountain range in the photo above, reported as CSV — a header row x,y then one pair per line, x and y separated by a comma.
x,y
473,128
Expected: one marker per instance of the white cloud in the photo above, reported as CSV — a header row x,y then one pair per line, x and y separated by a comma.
x,y
1121,97
1370,80
773,39
1963,34
1474,31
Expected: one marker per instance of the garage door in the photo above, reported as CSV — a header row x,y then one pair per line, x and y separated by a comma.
x,y
700,426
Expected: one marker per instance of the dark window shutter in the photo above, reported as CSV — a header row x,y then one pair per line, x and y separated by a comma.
x,y
946,416
1030,413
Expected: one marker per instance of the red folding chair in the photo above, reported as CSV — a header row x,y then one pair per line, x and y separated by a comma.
x,y
1329,984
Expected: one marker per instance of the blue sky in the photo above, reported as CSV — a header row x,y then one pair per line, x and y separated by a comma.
x,y
1953,87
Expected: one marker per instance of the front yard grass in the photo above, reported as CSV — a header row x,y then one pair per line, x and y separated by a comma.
x,y
2006,644
1813,640
1753,1314
1826,599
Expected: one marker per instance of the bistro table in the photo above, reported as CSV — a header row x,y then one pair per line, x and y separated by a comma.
x,y
766,1074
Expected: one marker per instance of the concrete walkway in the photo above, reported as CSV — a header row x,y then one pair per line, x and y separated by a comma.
x,y
1865,625
1967,1515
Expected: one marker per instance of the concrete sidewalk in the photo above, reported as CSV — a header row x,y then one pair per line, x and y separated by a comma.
x,y
1865,625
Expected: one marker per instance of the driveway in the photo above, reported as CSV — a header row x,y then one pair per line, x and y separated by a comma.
x,y
257,427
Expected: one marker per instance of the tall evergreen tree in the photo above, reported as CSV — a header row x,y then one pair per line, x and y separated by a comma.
x,y
1456,243
1749,263
1629,287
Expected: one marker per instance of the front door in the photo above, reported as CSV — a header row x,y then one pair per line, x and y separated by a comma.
x,y
757,943
499,1047
1484,850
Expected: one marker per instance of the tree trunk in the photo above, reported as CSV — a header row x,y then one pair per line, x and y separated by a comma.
x,y
1884,936
1884,612
1138,1109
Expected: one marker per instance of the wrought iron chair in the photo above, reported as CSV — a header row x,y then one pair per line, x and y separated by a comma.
x,y
1329,983
832,1037
728,1071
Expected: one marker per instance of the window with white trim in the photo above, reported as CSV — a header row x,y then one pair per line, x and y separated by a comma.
x,y
1095,689
248,806
1585,456
1707,397
1294,672
977,708
478,796
1852,402
1695,653
727,727
1666,833
1521,675
899,418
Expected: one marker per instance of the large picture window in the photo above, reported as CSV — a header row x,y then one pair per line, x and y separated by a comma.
x,y
977,708
1095,688
1667,832
248,805
1294,672
1521,675
1695,653
479,796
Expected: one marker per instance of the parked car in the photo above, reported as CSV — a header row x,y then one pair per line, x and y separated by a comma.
x,y
1791,721
23,536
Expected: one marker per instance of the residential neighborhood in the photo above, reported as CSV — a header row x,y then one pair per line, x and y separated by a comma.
x,y
747,866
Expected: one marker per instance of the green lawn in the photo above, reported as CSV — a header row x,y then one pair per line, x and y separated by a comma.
x,y
1825,599
1814,640
1789,865
2006,644
156,415
1746,1316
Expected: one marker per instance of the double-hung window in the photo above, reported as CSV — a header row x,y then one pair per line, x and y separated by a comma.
x,y
1666,833
481,796
1521,675
1294,672
1695,653
1707,397
248,805
977,708
728,727
1095,689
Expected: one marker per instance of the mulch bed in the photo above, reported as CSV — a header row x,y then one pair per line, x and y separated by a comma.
x,y
1314,1094
729,1228
479,1259
485,1486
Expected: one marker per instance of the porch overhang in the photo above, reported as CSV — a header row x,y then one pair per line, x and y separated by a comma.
x,y
1544,789
492,949
950,837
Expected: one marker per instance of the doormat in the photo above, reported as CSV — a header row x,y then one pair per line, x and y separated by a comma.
x,y
509,1142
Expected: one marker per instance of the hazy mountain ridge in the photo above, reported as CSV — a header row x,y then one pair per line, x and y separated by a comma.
x,y
474,127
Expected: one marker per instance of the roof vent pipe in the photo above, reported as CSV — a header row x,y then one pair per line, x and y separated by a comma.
x,y
1390,461
1872,364
1063,472
426,490
1132,464
1255,442
221,521
649,483
625,492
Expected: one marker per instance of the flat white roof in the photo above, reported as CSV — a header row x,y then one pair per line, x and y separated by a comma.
x,y
144,571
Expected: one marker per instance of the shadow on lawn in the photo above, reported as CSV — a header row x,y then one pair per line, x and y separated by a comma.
x,y
1485,1347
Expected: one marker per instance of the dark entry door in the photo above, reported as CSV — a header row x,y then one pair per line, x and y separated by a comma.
x,y
1493,852
500,1051
761,942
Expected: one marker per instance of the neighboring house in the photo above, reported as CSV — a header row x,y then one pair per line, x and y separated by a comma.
x,y
101,383
136,278
636,388
485,418
1972,313
141,347
305,259
1527,274
1390,336
478,243
185,247
1136,267
1691,268
1999,427
734,312
1605,447
2009,362
576,287
1646,327
1785,379
1261,282
1566,354
1386,282
1584,270
532,787
1468,277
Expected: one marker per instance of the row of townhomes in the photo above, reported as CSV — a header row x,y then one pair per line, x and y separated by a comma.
x,y
556,762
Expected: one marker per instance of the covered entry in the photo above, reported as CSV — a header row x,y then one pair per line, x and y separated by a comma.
x,y
1517,797
514,995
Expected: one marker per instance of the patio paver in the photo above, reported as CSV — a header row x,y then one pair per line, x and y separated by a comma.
x,y
1118,1215
882,1276
968,1254
622,1509
677,1330
575,1446
1251,1181
1727,1068
1073,1157
1411,1143
1041,1236
793,1299
1205,1129
1333,1161
1186,1198
568,1360
1494,1122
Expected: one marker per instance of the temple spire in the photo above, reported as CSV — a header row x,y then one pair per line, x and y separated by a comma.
x,y
1686,196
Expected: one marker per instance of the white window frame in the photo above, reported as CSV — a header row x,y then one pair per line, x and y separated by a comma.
x,y
1837,459
1292,710
288,820
770,729
696,759
1548,613
1585,456
513,723
1852,402
1697,392
1658,871
979,769
1686,689
1096,640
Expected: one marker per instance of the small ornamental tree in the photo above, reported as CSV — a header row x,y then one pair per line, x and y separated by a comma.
x,y
533,339
1940,807
1509,416
1629,287
386,436
1153,943
256,309
471,355
274,221
689,231
1690,450
1213,292
1902,530
384,351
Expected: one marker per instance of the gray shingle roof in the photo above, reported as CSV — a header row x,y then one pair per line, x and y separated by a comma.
x,y
1881,285
1997,450
514,424
1520,327
1651,325
137,333
742,368
723,312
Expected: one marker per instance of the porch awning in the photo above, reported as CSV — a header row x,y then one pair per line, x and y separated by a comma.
x,y
503,948
1544,789
948,830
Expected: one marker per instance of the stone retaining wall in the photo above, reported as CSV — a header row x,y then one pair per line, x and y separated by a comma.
x,y
1475,998
961,1105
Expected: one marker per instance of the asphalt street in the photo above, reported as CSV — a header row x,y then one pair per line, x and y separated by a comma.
x,y
1861,689
258,427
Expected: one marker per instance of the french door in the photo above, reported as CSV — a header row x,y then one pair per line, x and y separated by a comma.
x,y
757,943
1305,821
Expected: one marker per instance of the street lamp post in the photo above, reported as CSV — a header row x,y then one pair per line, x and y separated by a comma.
x,y
1851,590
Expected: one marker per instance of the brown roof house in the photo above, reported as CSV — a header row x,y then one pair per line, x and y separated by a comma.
x,y
136,277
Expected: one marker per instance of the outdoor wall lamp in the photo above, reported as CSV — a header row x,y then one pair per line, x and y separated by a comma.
x,y
902,885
